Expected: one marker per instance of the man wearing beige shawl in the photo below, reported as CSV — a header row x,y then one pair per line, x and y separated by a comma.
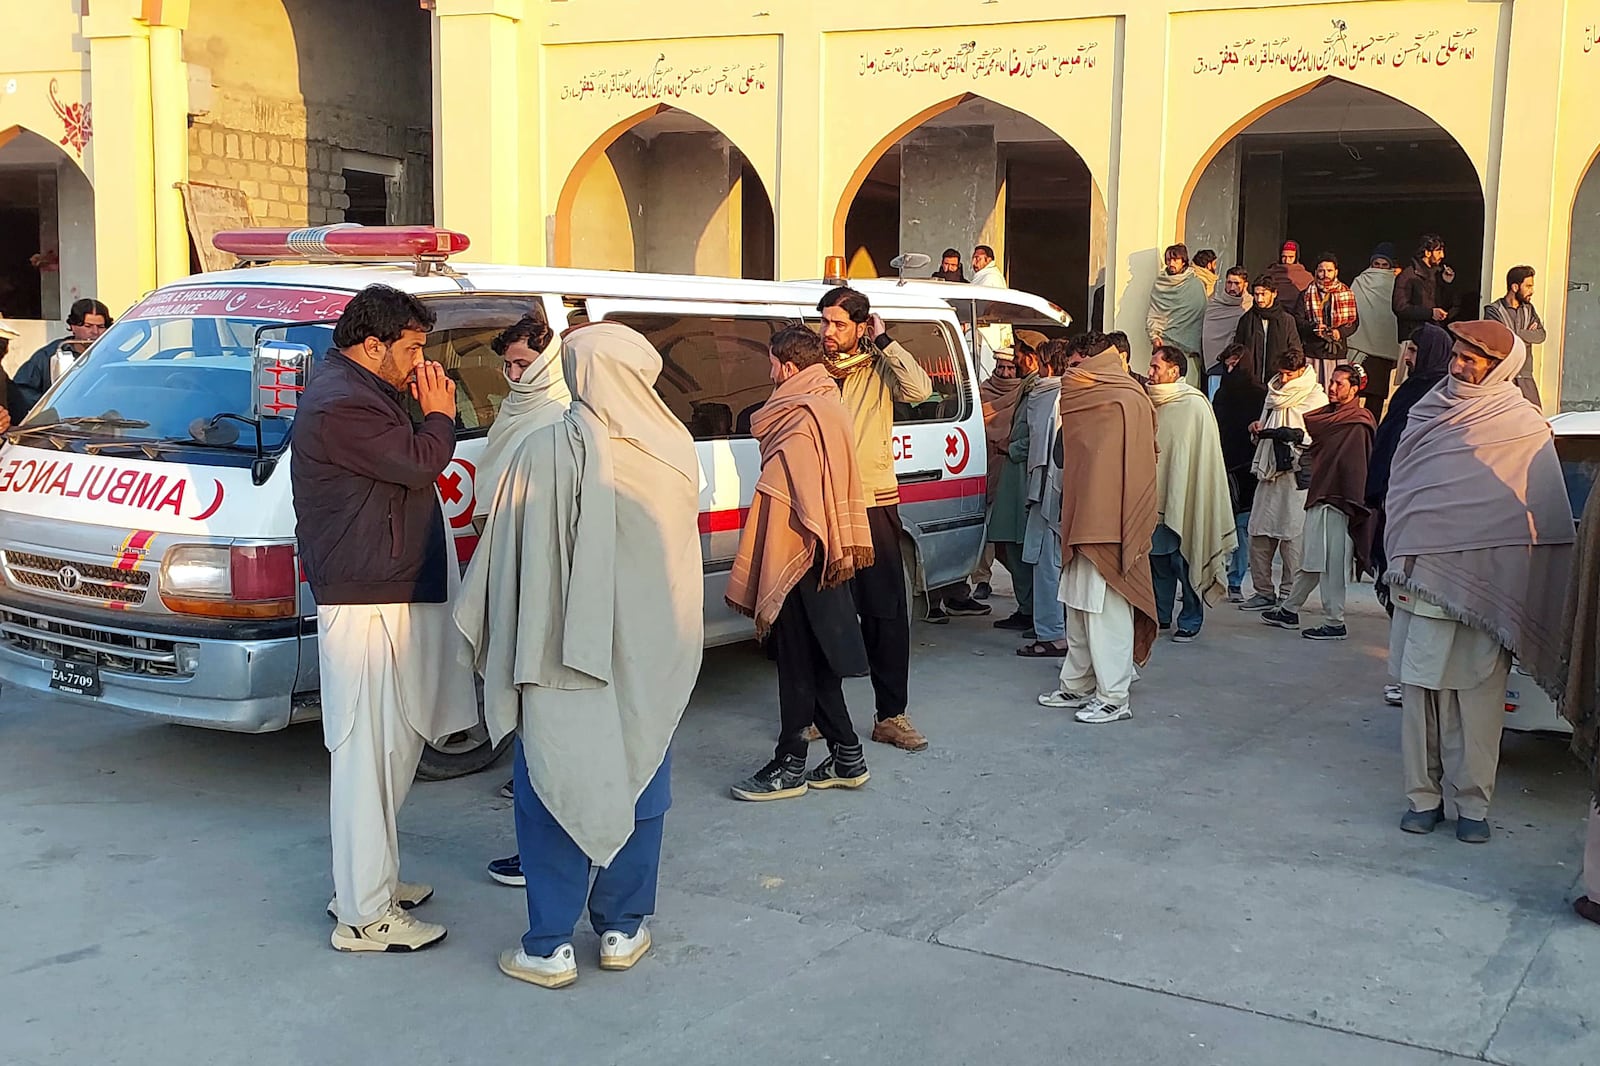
x,y
584,610
805,538
1195,535
1278,516
1479,545
1108,513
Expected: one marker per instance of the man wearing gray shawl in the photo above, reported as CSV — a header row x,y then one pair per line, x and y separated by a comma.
x,y
1479,545
583,607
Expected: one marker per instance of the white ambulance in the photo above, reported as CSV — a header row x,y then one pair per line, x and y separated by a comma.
x,y
146,525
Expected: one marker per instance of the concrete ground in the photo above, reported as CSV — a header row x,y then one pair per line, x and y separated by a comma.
x,y
1218,881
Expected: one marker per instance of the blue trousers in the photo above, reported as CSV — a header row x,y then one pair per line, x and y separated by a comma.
x,y
1239,561
557,870
1049,613
1169,570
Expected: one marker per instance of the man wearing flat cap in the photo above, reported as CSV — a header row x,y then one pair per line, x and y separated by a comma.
x,y
1479,544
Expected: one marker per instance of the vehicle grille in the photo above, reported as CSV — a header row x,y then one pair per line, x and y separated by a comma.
x,y
94,583
54,638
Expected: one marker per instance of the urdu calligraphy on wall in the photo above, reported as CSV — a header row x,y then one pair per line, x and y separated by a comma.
x,y
663,81
967,60
1591,37
1341,50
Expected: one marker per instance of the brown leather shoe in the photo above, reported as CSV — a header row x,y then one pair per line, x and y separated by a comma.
x,y
900,732
1587,908
810,734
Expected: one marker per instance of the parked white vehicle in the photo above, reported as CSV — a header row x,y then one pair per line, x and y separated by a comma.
x,y
1528,709
146,523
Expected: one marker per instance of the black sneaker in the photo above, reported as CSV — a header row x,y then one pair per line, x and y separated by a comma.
x,y
936,616
844,768
508,871
782,778
983,591
1185,636
1281,617
968,608
1325,633
1163,626
1016,621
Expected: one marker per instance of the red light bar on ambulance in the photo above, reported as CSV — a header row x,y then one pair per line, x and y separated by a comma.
x,y
344,240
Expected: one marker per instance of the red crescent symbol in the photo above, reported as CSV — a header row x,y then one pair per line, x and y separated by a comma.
x,y
966,453
216,503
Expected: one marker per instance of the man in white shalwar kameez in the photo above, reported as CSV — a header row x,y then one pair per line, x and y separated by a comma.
x,y
381,565
1278,516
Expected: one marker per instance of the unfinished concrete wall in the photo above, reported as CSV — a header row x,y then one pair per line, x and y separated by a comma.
x,y
1580,368
1213,219
950,192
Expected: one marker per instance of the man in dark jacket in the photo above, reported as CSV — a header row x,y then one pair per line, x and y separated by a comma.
x,y
1422,292
375,551
86,321
1267,330
1516,312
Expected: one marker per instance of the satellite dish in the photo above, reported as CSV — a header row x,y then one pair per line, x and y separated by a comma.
x,y
910,261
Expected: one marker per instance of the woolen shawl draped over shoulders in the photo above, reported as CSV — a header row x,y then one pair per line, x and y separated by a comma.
x,y
583,604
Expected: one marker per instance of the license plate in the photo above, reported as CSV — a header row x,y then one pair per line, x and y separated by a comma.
x,y
79,679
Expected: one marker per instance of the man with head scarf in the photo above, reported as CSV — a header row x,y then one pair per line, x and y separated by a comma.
x,y
1278,512
1228,302
1238,405
1041,533
1289,276
1194,536
584,610
875,373
1479,544
1372,342
1000,393
1338,521
1177,304
803,541
1108,514
380,562
1008,515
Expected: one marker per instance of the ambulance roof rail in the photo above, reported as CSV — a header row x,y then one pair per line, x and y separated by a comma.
x,y
425,248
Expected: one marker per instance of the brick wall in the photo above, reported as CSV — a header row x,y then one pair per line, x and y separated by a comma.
x,y
289,180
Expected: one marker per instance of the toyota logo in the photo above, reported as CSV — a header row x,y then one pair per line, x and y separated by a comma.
x,y
69,578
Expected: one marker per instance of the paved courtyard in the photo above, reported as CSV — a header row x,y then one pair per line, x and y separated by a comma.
x,y
1218,881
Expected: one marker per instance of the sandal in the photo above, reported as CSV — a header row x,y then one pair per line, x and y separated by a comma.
x,y
1041,649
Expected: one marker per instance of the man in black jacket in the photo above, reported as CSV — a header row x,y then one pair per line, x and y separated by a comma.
x,y
1268,330
1422,291
376,553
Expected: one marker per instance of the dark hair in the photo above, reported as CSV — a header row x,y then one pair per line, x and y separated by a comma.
x,y
1054,353
1174,356
1233,350
848,300
1517,275
1179,250
1205,257
1264,281
1117,340
985,249
1429,242
1238,272
1094,342
82,309
1328,257
1355,372
1293,359
532,329
947,253
797,345
383,313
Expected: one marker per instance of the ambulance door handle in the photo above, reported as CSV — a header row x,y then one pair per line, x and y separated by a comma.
x,y
919,475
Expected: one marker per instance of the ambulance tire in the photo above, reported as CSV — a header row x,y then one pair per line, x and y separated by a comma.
x,y
461,760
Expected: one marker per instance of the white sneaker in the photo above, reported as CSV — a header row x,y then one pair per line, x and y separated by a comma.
x,y
405,894
557,971
1393,695
619,951
1099,712
1067,701
395,931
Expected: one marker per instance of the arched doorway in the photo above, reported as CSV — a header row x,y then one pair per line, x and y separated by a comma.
x,y
666,192
1342,168
1580,373
47,256
977,172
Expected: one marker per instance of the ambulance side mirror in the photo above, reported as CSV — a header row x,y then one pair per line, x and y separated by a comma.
x,y
279,371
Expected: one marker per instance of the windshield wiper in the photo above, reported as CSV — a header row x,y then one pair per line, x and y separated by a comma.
x,y
154,448
109,420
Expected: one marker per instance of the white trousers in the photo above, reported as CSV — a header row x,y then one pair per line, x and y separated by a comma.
x,y
1100,650
373,766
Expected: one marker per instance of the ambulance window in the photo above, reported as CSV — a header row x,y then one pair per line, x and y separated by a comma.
x,y
460,342
936,350
714,369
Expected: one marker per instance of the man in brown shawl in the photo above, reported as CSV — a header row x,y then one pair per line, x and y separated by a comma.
x,y
1580,704
1108,514
1479,543
1338,521
806,536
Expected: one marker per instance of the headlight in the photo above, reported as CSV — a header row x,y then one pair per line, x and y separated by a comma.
x,y
238,581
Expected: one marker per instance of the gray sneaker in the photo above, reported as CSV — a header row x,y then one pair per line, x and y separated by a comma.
x,y
1258,602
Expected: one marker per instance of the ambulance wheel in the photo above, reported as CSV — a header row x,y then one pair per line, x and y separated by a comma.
x,y
467,752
